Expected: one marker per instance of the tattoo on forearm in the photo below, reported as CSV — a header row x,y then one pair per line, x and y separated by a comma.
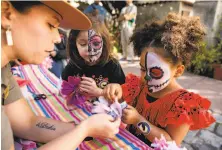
x,y
144,127
46,125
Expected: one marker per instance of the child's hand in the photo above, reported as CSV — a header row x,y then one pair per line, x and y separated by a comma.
x,y
112,91
130,115
88,86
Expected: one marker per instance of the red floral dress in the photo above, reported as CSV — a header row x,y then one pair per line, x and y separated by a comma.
x,y
176,108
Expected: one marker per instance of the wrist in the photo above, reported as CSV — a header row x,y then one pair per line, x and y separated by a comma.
x,y
85,128
138,120
99,92
143,125
85,131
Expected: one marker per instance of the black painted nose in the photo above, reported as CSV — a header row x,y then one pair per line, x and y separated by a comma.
x,y
147,77
89,49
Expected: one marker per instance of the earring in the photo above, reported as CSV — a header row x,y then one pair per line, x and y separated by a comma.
x,y
9,36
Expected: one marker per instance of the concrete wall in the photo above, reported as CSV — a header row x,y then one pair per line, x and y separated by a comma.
x,y
186,7
206,10
210,13
156,10
218,16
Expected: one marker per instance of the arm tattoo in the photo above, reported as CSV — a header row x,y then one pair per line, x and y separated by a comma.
x,y
45,125
144,127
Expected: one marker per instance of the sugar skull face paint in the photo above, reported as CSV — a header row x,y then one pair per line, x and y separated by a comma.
x,y
89,45
157,72
95,46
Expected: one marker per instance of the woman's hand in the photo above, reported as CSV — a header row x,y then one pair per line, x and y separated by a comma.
x,y
88,86
102,126
130,115
112,91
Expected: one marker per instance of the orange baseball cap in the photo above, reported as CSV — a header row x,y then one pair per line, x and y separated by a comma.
x,y
72,18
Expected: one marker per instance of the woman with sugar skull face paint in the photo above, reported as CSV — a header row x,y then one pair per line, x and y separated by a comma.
x,y
159,104
91,60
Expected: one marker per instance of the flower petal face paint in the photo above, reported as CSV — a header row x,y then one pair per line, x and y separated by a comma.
x,y
158,72
95,46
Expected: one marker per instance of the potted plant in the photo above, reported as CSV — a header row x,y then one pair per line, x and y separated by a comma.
x,y
218,65
208,61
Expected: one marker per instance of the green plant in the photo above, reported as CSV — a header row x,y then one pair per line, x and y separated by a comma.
x,y
115,33
203,61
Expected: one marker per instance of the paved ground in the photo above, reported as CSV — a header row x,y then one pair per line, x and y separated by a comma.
x,y
207,139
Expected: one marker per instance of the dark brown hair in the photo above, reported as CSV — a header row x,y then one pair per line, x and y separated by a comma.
x,y
99,28
178,37
24,6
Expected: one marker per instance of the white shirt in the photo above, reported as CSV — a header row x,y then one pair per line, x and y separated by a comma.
x,y
131,9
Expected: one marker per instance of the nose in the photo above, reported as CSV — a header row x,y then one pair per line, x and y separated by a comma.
x,y
89,49
147,77
56,37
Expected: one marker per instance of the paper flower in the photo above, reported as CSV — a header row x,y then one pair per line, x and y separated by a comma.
x,y
162,144
70,91
21,82
102,106
47,63
21,144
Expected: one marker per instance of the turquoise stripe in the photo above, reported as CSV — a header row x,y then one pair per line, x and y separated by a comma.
x,y
42,107
37,102
45,75
84,110
127,142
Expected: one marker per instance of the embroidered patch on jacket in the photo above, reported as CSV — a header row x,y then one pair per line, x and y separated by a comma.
x,y
5,93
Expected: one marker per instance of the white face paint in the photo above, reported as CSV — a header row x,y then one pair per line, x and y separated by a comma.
x,y
95,46
158,72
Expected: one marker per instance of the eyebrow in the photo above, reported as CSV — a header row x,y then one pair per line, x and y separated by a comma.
x,y
142,66
57,19
82,40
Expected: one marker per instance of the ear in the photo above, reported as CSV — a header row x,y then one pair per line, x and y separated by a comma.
x,y
179,71
7,13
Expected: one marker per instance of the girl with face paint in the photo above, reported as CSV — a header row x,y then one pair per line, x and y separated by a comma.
x,y
91,60
90,46
159,104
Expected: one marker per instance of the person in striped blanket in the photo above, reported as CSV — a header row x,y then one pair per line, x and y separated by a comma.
x,y
29,30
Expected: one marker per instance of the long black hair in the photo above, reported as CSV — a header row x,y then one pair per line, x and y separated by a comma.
x,y
24,6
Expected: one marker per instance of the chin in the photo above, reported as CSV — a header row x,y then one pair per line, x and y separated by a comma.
x,y
36,62
31,59
90,64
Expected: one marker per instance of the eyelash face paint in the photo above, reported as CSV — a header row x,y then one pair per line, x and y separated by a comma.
x,y
157,72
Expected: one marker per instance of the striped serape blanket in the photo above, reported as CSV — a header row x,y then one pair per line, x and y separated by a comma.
x,y
44,82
